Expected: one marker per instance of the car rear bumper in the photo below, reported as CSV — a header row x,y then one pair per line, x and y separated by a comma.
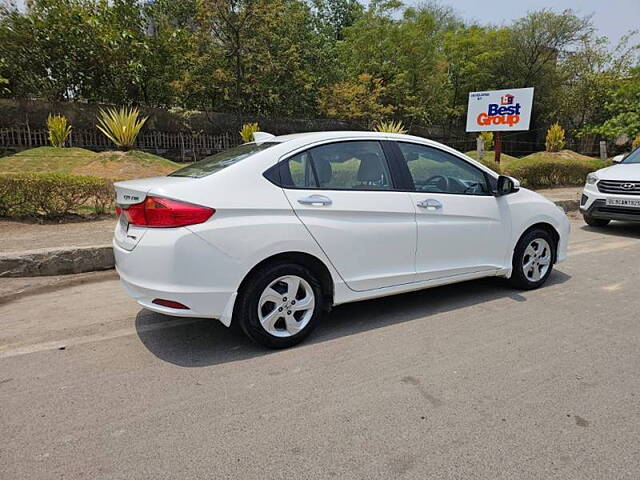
x,y
178,266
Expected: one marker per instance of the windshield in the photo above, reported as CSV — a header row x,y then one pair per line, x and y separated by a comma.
x,y
633,157
221,160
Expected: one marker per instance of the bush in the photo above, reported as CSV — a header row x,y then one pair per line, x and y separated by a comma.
x,y
247,131
121,126
636,142
52,195
59,130
555,138
547,173
491,163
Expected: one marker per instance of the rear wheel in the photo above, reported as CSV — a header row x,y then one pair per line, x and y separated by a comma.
x,y
533,259
280,305
595,222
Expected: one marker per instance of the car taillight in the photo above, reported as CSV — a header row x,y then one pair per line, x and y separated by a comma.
x,y
166,213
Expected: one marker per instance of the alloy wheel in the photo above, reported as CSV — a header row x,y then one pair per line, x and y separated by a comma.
x,y
536,260
286,306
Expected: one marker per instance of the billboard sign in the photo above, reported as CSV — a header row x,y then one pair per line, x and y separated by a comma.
x,y
500,110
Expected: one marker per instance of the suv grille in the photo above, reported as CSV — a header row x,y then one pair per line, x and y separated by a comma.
x,y
619,186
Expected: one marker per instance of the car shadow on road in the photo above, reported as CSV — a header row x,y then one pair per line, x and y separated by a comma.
x,y
204,342
616,229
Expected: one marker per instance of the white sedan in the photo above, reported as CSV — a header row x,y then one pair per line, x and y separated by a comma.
x,y
273,233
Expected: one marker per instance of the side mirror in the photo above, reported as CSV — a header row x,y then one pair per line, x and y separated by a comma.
x,y
507,185
618,158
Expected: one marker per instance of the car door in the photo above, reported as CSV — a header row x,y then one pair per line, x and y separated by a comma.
x,y
345,195
462,227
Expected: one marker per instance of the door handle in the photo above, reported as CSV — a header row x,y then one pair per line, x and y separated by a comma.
x,y
430,203
315,200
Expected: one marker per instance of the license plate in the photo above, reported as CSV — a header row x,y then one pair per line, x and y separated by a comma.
x,y
623,202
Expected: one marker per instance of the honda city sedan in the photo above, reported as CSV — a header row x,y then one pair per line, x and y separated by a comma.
x,y
271,234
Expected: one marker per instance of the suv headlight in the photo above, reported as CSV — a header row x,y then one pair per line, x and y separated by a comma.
x,y
592,178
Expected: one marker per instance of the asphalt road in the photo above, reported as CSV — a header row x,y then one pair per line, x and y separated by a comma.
x,y
470,381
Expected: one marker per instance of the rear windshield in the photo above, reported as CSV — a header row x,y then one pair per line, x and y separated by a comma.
x,y
221,160
633,157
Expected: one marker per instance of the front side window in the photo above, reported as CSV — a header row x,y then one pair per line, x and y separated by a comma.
x,y
356,165
221,160
436,171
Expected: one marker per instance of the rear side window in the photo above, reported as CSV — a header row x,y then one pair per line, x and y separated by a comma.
x,y
356,165
221,160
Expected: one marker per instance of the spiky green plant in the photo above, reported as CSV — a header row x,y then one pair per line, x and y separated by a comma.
x,y
59,130
390,127
555,138
247,131
487,140
121,126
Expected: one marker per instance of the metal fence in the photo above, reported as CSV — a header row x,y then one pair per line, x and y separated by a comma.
x,y
181,146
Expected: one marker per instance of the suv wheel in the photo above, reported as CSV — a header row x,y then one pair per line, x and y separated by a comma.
x,y
280,305
595,222
533,259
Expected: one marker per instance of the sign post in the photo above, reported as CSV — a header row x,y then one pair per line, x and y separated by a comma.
x,y
499,111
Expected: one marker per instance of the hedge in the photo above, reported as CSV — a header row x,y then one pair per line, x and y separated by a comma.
x,y
52,195
548,173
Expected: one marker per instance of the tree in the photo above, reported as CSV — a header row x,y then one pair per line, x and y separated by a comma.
x,y
356,100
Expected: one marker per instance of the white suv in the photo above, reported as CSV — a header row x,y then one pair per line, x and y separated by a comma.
x,y
613,193
272,233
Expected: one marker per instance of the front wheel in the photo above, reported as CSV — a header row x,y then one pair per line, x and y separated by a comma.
x,y
280,305
533,259
595,222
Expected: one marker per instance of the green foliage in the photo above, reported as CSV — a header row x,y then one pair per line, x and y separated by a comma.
x,y
52,195
59,130
555,138
247,131
487,140
121,126
548,173
623,109
357,100
390,127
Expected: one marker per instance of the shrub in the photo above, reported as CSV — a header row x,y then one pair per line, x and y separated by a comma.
x,y
52,195
555,138
636,142
59,130
247,131
121,126
490,162
547,173
487,140
390,127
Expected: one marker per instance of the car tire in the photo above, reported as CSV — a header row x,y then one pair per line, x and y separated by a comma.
x,y
595,222
533,259
270,315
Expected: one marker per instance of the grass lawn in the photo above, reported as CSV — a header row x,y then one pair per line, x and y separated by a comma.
x,y
113,165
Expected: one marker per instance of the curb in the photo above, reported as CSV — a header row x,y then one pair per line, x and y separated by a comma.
x,y
56,261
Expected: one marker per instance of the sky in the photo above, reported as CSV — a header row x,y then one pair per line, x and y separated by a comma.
x,y
613,18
